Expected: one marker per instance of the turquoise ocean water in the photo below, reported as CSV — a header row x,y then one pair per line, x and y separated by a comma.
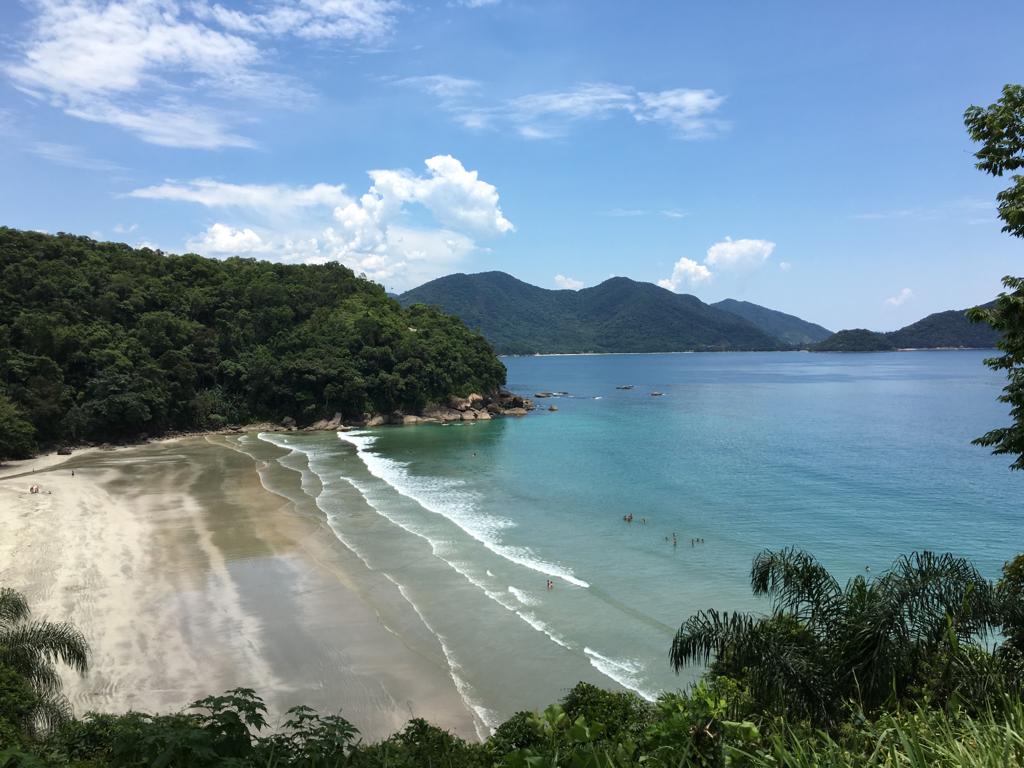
x,y
856,458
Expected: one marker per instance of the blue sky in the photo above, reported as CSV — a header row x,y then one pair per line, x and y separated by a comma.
x,y
810,157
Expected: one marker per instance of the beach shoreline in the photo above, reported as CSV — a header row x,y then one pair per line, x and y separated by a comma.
x,y
188,578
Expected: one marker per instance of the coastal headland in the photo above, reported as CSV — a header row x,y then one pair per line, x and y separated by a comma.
x,y
188,578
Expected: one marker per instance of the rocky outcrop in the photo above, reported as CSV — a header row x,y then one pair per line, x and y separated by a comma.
x,y
474,407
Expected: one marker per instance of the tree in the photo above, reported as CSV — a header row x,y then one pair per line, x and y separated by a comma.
x,y
17,436
823,645
30,648
1000,130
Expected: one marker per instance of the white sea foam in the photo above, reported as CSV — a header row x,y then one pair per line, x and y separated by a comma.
x,y
442,499
523,596
623,671
483,716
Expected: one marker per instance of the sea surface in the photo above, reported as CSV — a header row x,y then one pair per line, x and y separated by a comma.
x,y
856,458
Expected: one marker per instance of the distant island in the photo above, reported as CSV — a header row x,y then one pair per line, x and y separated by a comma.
x,y
943,330
104,342
619,315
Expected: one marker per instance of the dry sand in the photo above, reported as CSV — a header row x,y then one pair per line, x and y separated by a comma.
x,y
189,578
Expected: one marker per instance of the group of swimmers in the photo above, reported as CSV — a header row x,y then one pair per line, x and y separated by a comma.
x,y
36,489
629,519
551,584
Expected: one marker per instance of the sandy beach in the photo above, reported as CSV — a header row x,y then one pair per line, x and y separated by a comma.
x,y
189,578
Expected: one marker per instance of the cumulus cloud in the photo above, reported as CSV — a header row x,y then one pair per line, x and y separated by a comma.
x,y
173,73
728,254
222,239
686,272
738,254
689,113
323,222
567,282
785,266
900,298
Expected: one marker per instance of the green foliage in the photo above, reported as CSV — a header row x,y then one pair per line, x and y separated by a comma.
x,y
623,714
17,436
100,341
1010,592
30,649
870,643
1006,315
999,128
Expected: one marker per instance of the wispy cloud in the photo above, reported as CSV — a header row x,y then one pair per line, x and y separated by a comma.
x,y
177,74
72,157
687,112
668,213
962,207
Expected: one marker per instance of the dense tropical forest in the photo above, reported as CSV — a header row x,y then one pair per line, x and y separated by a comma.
x,y
102,342
892,670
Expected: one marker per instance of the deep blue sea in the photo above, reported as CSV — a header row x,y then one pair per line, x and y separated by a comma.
x,y
855,458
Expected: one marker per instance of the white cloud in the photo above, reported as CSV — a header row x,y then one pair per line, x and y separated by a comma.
x,y
669,213
478,3
73,157
549,114
222,239
686,110
686,272
455,196
567,282
900,298
323,223
727,254
264,199
444,87
738,254
365,20
174,73
785,266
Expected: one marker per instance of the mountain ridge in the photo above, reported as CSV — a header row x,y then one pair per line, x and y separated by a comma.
x,y
617,315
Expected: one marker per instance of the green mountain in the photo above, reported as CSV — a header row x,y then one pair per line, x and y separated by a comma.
x,y
100,341
945,329
940,330
856,340
619,315
790,328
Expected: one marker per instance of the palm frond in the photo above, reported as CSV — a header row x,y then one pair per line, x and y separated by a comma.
x,y
708,634
13,606
52,641
796,583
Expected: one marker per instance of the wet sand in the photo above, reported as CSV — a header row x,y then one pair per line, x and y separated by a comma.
x,y
189,578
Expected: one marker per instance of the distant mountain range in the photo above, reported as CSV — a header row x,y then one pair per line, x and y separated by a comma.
x,y
619,315
942,329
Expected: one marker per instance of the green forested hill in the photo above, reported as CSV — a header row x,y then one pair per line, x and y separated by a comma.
x,y
619,315
100,341
936,331
789,328
945,329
